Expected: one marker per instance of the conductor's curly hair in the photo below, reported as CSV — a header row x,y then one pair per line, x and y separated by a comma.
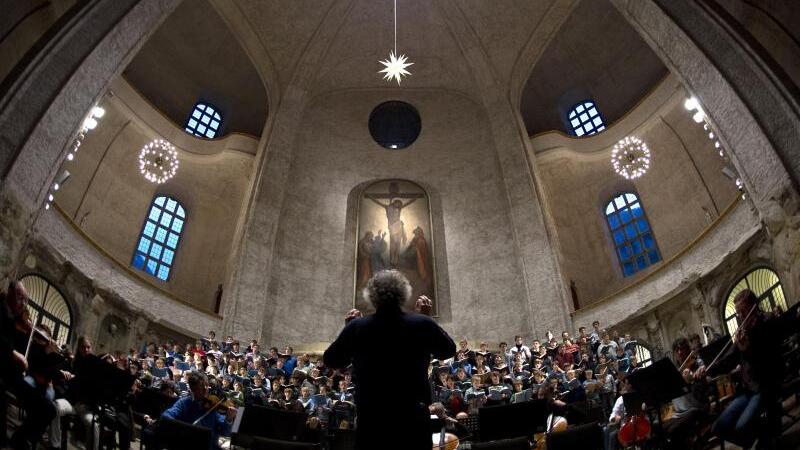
x,y
387,288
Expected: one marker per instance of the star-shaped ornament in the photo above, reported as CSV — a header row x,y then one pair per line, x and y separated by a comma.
x,y
395,67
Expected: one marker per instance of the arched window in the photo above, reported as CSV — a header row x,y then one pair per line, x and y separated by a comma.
x,y
633,239
767,287
204,121
158,242
643,355
48,307
584,119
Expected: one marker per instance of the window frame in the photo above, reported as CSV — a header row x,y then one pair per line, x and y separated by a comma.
x,y
159,261
42,310
216,115
766,295
628,241
594,131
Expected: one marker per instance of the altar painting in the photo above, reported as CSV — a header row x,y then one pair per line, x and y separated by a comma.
x,y
394,232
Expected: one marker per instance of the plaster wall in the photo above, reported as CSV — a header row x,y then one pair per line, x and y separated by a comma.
x,y
453,159
108,199
682,193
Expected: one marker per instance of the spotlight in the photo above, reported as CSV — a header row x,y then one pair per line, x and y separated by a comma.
x,y
698,116
63,177
691,103
98,112
90,123
50,198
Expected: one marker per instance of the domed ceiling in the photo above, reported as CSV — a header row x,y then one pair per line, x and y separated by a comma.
x,y
595,54
194,56
582,49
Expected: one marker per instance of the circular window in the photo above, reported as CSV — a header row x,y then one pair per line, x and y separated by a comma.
x,y
394,124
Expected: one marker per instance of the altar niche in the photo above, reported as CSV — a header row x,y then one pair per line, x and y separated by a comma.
x,y
394,232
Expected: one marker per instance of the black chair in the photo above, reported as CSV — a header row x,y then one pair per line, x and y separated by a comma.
x,y
258,443
520,443
176,435
584,437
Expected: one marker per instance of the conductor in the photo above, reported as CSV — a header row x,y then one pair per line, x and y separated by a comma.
x,y
369,342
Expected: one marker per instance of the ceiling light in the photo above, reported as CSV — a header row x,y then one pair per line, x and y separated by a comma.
x,y
158,161
98,112
698,116
630,157
90,123
691,103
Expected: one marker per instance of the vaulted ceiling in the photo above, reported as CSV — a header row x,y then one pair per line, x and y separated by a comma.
x,y
195,56
219,51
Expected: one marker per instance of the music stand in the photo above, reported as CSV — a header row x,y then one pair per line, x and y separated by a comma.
x,y
585,437
512,421
176,435
264,422
658,383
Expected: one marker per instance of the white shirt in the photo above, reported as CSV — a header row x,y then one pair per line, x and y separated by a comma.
x,y
618,410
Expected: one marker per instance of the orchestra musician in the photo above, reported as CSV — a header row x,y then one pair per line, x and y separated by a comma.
x,y
15,329
691,408
196,409
364,341
753,353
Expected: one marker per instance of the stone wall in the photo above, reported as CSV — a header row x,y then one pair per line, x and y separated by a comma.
x,y
480,284
25,22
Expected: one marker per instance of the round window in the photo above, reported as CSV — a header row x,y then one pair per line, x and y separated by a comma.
x,y
394,124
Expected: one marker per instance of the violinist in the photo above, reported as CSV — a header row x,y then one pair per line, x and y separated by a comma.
x,y
15,329
196,407
753,353
691,408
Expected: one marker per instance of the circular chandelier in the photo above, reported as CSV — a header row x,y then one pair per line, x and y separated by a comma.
x,y
630,157
158,161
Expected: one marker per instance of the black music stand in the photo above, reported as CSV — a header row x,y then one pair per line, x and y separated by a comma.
x,y
585,437
263,422
658,383
176,435
512,421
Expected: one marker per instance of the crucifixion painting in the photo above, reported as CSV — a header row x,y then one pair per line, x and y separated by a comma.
x,y
397,210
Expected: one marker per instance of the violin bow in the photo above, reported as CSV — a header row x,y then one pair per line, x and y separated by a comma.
x,y
210,410
730,341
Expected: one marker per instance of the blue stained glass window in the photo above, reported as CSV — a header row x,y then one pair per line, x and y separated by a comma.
x,y
149,228
162,227
631,232
161,235
585,119
204,121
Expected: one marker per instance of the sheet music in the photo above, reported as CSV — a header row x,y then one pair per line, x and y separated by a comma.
x,y
238,421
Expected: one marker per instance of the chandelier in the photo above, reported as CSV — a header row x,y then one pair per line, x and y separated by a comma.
x,y
158,161
395,65
630,157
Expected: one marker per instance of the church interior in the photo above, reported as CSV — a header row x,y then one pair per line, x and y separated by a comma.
x,y
592,184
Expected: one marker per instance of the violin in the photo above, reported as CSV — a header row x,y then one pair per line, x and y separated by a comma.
x,y
213,403
444,441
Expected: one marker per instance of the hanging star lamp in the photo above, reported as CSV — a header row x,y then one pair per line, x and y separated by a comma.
x,y
395,66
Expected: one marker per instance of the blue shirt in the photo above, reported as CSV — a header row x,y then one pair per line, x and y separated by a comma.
x,y
188,410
